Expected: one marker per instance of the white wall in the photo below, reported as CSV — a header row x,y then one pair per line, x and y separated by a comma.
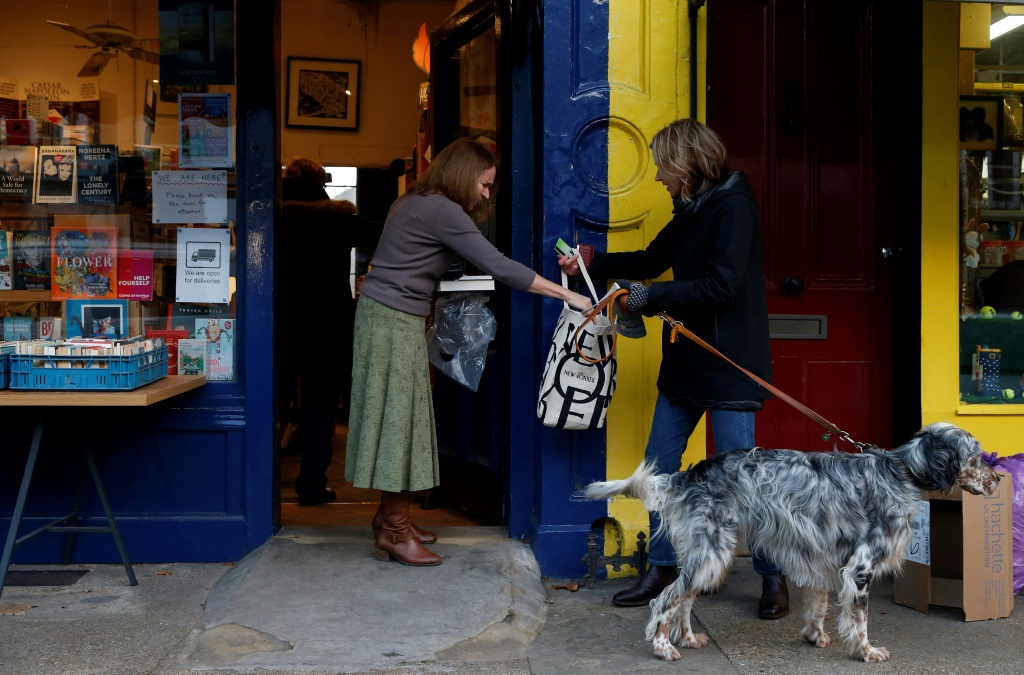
x,y
380,35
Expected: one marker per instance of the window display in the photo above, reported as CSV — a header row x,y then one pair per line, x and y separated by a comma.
x,y
112,196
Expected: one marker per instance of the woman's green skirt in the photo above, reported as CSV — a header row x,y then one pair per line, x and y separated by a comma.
x,y
392,443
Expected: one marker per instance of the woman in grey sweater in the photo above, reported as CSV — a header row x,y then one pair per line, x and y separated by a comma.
x,y
392,442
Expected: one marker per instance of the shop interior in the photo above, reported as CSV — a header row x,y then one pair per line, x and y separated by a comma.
x,y
95,73
991,209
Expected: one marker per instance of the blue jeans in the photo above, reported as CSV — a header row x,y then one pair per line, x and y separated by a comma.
x,y
673,423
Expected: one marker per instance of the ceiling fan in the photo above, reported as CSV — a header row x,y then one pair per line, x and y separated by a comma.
x,y
111,40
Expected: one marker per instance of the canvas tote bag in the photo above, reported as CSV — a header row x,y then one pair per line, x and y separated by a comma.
x,y
580,370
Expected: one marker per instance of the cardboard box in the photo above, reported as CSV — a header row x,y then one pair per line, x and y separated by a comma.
x,y
961,554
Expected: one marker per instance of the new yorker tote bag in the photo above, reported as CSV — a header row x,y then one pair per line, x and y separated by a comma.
x,y
580,370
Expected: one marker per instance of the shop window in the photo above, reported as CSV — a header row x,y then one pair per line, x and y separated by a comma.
x,y
341,183
125,149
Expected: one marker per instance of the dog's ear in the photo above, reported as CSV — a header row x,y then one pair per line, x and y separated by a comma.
x,y
936,454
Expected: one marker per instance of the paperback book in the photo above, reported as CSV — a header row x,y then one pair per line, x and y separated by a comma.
x,y
96,318
97,174
192,357
56,175
135,274
83,261
31,252
17,173
220,347
17,328
6,280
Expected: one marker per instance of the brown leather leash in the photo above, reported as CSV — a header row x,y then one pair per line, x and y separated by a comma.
x,y
679,329
610,300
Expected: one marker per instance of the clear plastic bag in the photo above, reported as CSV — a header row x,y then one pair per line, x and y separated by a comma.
x,y
457,339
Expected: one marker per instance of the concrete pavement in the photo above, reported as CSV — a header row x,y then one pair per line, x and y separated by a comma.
x,y
315,600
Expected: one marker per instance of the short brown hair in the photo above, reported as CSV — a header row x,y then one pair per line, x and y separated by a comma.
x,y
454,172
307,168
691,152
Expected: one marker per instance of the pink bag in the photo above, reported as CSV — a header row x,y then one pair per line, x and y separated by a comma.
x,y
1013,465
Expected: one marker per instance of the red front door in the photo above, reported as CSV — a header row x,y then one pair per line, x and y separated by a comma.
x,y
794,90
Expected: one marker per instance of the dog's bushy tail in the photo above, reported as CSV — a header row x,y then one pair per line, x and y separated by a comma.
x,y
649,487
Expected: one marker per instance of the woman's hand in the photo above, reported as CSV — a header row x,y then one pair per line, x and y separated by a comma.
x,y
580,302
569,264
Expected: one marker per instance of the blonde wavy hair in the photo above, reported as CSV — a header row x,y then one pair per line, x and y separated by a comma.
x,y
455,171
691,152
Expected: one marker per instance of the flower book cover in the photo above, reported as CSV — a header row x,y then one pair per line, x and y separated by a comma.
x,y
6,243
31,253
192,357
97,174
220,347
17,173
56,175
83,262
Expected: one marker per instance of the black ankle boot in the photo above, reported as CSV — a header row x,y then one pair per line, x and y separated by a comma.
x,y
647,588
774,597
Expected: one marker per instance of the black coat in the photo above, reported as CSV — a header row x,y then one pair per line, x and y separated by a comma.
x,y
713,247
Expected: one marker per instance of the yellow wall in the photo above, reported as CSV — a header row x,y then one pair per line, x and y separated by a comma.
x,y
649,73
999,428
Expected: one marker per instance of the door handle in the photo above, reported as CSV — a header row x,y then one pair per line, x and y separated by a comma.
x,y
792,285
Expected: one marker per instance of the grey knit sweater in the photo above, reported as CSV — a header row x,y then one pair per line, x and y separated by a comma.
x,y
422,235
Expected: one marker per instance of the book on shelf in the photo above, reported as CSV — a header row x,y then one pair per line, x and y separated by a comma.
x,y
83,262
150,155
171,339
97,174
183,315
135,274
56,175
191,357
17,328
21,131
220,347
51,328
6,279
17,173
96,318
31,253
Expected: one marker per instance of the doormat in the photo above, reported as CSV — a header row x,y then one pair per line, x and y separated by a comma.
x,y
43,577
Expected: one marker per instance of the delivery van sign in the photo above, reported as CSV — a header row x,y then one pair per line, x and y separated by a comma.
x,y
203,265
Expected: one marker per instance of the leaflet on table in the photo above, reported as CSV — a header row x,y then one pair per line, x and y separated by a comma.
x,y
190,196
203,265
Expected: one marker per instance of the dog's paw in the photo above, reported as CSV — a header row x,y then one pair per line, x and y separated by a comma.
x,y
694,640
875,654
664,650
817,638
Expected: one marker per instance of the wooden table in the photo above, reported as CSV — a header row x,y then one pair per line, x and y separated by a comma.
x,y
163,389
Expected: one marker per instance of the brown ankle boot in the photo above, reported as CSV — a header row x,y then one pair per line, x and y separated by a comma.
x,y
422,536
395,538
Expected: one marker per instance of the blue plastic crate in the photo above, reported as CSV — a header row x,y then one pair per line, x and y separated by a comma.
x,y
100,373
5,368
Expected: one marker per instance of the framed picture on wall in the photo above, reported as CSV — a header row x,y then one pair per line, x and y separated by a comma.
x,y
981,122
323,94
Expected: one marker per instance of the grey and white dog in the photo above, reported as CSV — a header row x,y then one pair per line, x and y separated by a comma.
x,y
831,521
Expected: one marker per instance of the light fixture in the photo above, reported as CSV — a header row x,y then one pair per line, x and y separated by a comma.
x,y
1004,26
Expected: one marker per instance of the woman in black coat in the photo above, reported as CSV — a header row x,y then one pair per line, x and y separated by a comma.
x,y
713,248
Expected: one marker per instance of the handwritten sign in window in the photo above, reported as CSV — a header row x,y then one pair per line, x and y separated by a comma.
x,y
190,196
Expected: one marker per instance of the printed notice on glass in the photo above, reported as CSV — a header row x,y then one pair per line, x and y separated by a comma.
x,y
204,265
190,197
204,131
